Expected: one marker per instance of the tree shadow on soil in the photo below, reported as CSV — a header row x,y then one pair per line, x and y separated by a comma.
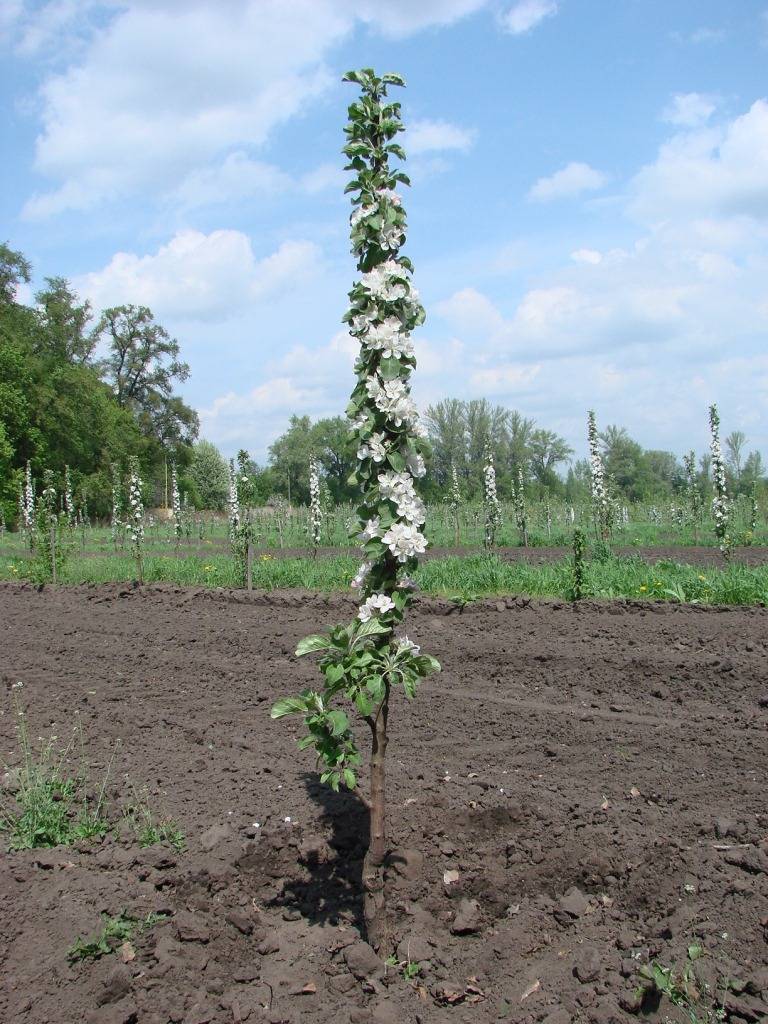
x,y
333,857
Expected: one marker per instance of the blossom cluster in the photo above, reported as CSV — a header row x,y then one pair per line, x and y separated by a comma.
x,y
69,503
233,503
600,502
315,511
28,504
721,504
491,506
384,422
176,503
135,506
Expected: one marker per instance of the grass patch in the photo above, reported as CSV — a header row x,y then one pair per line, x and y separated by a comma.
x,y
465,578
51,806
114,932
150,829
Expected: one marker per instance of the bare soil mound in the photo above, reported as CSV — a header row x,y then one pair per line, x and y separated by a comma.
x,y
581,790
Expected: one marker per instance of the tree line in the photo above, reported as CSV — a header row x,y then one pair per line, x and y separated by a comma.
x,y
458,433
84,391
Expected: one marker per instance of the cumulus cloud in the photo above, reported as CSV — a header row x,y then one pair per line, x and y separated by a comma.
x,y
689,109
526,15
198,276
572,180
309,381
431,136
176,98
709,171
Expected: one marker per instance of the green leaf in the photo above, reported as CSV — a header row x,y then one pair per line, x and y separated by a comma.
x,y
363,703
338,722
390,368
310,644
288,706
392,78
396,461
349,778
334,673
373,627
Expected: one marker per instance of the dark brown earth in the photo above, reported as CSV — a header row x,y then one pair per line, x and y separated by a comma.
x,y
594,775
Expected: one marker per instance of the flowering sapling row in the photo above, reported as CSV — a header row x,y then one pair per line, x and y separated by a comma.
x,y
364,660
491,506
721,504
136,515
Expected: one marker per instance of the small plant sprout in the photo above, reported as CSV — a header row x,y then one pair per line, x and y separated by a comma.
x,y
721,504
577,586
521,511
601,504
491,507
454,502
315,507
364,660
136,516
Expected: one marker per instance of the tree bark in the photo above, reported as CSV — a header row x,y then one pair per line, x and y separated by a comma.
x,y
374,897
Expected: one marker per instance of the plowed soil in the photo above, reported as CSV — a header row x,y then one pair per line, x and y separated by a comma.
x,y
581,789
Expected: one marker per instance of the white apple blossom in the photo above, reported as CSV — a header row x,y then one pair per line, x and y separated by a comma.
x,y
361,575
370,530
404,644
376,604
416,465
404,541
373,448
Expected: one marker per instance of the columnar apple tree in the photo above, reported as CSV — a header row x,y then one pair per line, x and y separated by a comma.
x,y
364,660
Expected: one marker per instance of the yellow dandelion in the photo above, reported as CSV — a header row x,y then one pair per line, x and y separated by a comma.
x,y
643,587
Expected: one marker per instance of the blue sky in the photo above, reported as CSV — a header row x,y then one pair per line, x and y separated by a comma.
x,y
588,218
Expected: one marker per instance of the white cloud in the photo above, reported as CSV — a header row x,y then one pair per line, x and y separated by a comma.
x,y
527,14
507,378
591,256
175,98
404,17
431,136
469,311
198,276
306,381
570,181
237,178
710,172
690,109
162,92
